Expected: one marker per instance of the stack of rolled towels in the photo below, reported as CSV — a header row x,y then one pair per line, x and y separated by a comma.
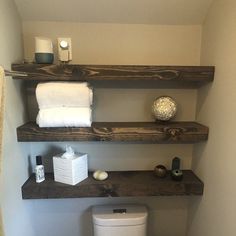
x,y
64,104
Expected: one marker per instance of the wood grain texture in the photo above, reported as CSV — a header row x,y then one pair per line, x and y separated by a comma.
x,y
119,184
120,75
149,132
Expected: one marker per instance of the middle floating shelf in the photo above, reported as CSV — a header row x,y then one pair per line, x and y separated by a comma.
x,y
145,132
118,184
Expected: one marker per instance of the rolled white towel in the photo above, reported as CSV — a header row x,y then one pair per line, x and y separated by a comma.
x,y
64,117
63,94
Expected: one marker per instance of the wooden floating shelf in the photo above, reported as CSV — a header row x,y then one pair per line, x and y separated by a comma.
x,y
119,184
144,132
120,75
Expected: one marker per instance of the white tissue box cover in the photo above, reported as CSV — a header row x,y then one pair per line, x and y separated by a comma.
x,y
70,171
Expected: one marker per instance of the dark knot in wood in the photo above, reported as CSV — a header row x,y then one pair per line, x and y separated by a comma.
x,y
109,191
174,133
77,72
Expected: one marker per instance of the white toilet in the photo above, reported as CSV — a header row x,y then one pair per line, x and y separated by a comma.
x,y
119,220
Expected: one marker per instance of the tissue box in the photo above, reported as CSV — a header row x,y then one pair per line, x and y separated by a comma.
x,y
70,171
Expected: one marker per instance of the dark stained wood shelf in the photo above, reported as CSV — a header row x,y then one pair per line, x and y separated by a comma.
x,y
120,75
119,184
146,132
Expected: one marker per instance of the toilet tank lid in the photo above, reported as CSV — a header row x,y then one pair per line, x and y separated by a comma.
x,y
119,215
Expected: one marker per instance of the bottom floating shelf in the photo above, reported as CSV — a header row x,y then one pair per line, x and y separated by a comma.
x,y
119,184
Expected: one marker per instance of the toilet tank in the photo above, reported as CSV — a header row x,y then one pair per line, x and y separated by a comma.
x,y
119,220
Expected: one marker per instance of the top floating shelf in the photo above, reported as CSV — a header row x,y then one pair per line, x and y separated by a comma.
x,y
120,75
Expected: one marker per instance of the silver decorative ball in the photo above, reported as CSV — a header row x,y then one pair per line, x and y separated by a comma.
x,y
160,171
164,108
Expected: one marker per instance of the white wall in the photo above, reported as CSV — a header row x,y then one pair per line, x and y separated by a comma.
x,y
215,161
120,44
15,155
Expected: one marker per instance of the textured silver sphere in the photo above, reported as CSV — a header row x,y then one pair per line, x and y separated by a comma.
x,y
164,108
160,171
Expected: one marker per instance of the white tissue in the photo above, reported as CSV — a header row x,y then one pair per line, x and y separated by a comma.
x,y
69,154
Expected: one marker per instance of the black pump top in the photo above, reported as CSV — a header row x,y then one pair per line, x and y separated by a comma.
x,y
176,163
39,160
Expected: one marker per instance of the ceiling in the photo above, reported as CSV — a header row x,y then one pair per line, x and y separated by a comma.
x,y
170,12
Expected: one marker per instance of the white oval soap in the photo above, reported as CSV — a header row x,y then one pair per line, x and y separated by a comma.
x,y
100,175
